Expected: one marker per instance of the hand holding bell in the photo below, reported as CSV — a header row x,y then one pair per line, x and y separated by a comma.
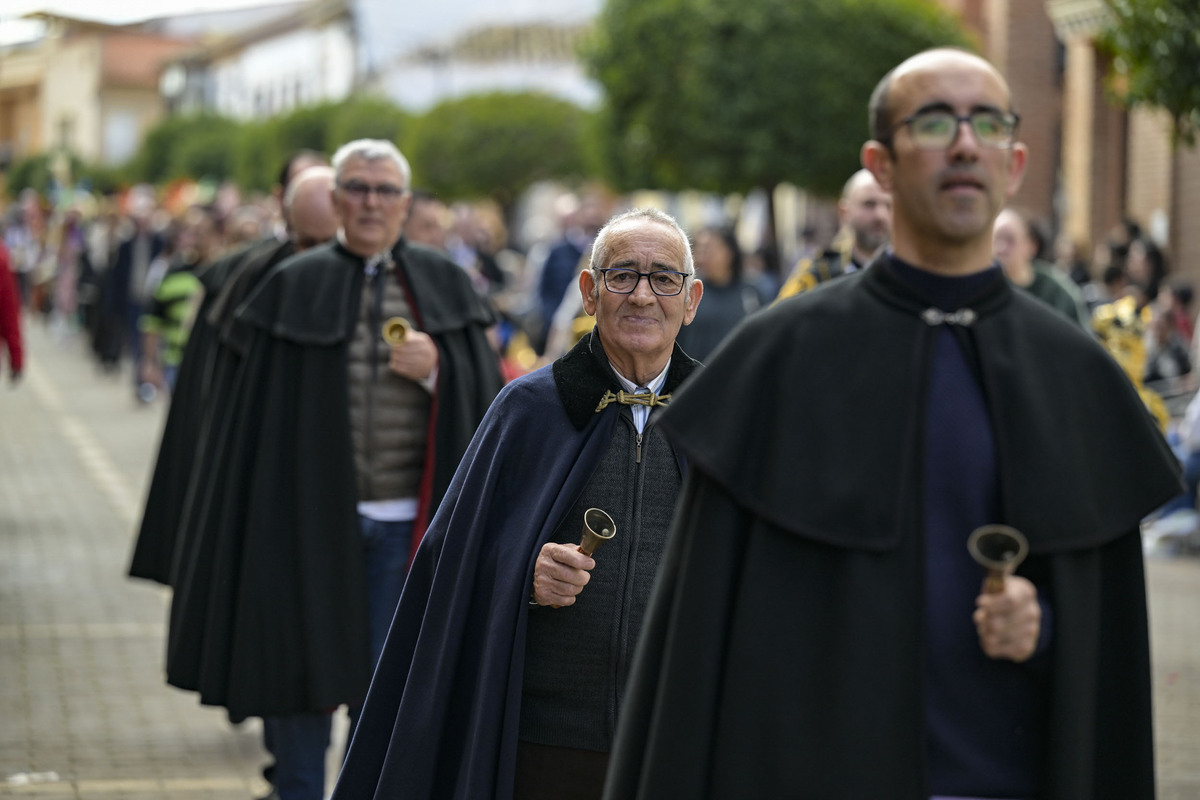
x,y
395,329
999,549
559,572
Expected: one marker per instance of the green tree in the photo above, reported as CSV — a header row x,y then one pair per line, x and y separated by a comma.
x,y
726,96
34,173
258,157
1155,45
209,152
306,127
495,145
180,145
39,173
263,145
366,118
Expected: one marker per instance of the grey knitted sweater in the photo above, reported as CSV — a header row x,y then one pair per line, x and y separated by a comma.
x,y
577,658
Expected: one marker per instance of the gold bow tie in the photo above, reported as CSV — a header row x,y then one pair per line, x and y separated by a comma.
x,y
649,399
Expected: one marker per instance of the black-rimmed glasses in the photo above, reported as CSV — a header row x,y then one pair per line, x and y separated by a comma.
x,y
937,128
663,282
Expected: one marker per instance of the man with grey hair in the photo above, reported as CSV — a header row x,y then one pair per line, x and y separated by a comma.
x,y
366,369
505,666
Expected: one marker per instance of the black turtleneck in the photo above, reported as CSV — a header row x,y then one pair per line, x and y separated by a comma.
x,y
984,720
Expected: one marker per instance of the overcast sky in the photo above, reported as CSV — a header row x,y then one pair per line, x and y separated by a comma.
x,y
395,20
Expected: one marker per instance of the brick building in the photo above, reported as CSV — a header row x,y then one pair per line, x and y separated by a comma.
x,y
1091,163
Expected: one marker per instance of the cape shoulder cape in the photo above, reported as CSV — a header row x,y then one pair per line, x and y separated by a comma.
x,y
781,653
270,617
1080,460
442,715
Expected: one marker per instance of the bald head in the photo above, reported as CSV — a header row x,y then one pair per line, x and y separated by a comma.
x,y
881,111
308,207
866,210
945,146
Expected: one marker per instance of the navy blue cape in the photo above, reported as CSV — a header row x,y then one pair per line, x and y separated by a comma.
x,y
442,714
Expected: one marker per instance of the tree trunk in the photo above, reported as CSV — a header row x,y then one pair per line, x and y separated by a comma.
x,y
770,243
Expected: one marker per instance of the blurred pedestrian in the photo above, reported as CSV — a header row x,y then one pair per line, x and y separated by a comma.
x,y
169,312
427,222
1146,267
339,448
127,288
727,298
580,220
209,363
1016,248
865,213
10,316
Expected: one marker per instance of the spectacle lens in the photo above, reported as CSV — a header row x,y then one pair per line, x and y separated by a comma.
x,y
937,129
358,190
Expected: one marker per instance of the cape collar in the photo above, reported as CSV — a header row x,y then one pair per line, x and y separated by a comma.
x,y
883,279
392,254
583,377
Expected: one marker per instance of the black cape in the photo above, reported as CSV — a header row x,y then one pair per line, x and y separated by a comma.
x,y
441,719
192,401
269,611
781,652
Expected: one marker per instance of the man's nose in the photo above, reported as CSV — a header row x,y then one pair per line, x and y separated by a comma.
x,y
642,292
965,140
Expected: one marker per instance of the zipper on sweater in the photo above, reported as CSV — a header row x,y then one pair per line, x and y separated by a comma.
x,y
638,458
374,322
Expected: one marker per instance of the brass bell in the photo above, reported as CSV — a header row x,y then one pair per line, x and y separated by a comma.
x,y
999,549
395,329
598,528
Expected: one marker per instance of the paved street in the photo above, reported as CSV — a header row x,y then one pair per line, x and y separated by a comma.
x,y
84,710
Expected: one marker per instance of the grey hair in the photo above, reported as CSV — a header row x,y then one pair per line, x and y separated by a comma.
x,y
372,150
602,251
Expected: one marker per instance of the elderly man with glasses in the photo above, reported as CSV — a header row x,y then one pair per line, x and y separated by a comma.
x,y
820,627
365,370
505,668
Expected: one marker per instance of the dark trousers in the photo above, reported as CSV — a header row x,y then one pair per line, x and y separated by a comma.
x,y
546,772
298,741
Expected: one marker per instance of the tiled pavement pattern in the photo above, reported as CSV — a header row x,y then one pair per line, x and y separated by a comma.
x,y
84,710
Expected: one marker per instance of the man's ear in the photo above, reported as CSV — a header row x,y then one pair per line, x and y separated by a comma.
x,y
587,288
876,158
1018,160
695,292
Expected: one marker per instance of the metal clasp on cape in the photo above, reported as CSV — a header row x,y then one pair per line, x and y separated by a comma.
x,y
935,316
380,261
649,399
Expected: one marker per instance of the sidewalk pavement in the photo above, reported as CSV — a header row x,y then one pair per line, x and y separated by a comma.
x,y
84,709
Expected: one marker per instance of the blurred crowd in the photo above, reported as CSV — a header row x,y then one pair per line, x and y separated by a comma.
x,y
120,272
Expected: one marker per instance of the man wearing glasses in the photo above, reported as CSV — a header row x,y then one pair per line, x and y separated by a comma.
x,y
505,667
819,628
337,453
